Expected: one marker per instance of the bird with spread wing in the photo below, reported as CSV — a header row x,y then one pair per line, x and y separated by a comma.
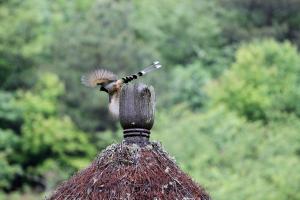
x,y
109,83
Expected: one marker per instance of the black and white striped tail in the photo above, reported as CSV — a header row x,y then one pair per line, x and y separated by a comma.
x,y
155,65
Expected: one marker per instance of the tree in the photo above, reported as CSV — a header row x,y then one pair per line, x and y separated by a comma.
x,y
248,19
182,31
37,140
186,85
232,157
263,83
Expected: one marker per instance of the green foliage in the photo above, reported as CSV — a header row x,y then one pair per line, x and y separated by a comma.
x,y
28,195
233,124
107,138
187,85
22,38
44,140
43,98
62,140
8,141
8,113
232,158
26,34
262,83
170,27
248,19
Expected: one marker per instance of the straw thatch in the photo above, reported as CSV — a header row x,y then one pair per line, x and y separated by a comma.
x,y
131,171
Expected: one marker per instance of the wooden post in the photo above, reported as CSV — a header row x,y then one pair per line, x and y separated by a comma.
x,y
137,102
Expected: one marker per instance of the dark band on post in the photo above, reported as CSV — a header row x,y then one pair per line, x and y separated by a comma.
x,y
136,132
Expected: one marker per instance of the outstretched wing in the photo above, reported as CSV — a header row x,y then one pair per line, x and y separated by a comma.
x,y
97,77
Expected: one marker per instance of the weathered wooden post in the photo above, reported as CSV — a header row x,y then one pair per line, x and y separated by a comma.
x,y
137,105
136,168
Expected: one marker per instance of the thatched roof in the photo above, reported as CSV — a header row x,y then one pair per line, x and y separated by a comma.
x,y
131,171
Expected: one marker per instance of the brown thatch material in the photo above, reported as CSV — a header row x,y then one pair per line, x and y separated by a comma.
x,y
131,171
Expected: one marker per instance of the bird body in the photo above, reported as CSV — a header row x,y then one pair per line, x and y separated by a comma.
x,y
110,84
114,102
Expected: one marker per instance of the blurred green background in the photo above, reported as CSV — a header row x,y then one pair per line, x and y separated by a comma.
x,y
228,95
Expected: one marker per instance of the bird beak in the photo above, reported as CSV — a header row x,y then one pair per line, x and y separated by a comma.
x,y
103,89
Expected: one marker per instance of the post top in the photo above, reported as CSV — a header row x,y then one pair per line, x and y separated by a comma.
x,y
137,103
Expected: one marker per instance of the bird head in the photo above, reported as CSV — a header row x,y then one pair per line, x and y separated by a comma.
x,y
108,87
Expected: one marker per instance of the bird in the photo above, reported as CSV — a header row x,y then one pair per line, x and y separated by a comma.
x,y
109,83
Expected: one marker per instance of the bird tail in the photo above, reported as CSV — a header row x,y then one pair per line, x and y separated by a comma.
x,y
155,65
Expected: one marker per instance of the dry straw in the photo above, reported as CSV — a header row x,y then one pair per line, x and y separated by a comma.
x,y
131,171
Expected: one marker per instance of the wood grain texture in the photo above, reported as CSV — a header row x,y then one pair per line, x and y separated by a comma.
x,y
137,104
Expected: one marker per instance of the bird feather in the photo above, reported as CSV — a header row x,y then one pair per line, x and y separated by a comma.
x,y
98,77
